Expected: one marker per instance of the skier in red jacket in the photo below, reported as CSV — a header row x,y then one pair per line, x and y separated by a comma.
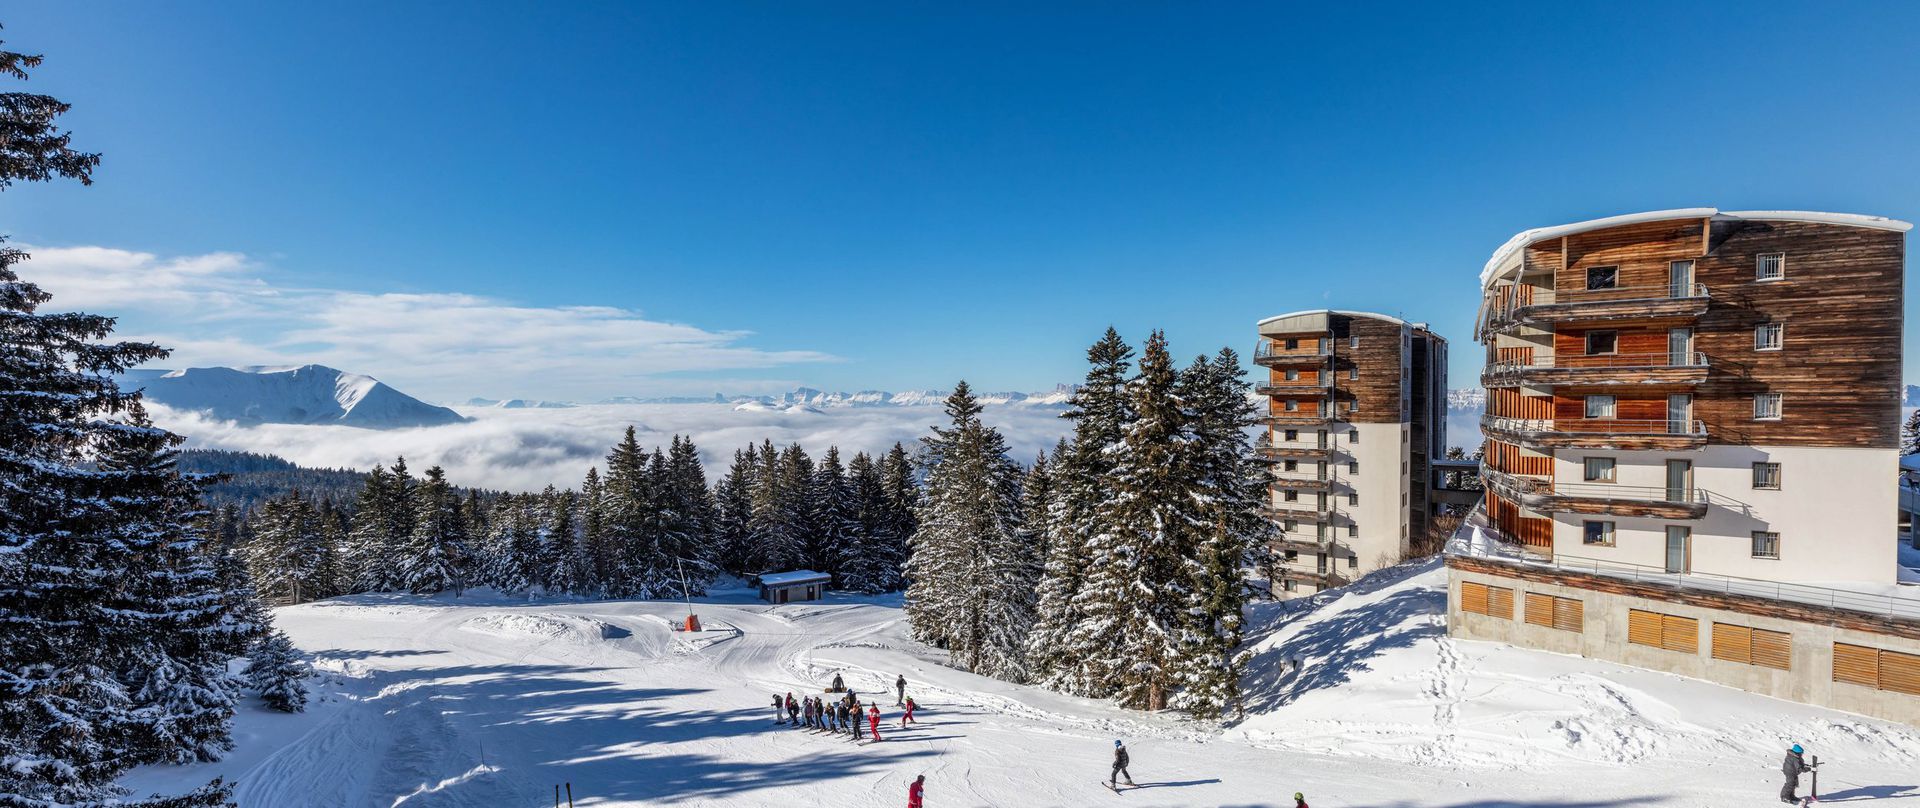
x,y
907,717
916,791
873,721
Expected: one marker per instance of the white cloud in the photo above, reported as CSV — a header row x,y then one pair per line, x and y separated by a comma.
x,y
221,309
525,450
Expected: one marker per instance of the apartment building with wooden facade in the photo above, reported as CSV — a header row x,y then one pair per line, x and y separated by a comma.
x,y
1356,412
1692,416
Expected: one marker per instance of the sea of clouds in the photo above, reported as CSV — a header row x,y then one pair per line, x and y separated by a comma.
x,y
526,450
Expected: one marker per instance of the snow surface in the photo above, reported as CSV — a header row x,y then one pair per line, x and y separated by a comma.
x,y
307,394
491,701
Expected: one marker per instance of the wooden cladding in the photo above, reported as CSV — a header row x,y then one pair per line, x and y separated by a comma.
x,y
1641,252
1572,406
1570,342
1565,614
1506,457
1534,532
1876,668
1519,356
1671,632
1509,403
1382,360
1752,646
1492,601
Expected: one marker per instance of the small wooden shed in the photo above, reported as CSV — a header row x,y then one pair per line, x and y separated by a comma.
x,y
793,587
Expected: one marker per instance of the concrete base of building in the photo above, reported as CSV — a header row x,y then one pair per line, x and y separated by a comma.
x,y
1602,633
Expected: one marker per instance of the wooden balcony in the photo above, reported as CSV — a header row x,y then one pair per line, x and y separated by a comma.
x,y
1298,418
1296,482
1265,449
1268,355
1298,387
1643,368
1596,433
1299,511
1545,307
1546,496
1321,580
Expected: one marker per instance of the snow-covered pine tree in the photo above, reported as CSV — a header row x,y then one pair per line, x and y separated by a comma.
x,y
1063,649
869,567
565,567
902,491
970,592
733,514
1910,434
593,531
667,532
436,557
64,729
624,510
695,502
515,551
796,507
1234,531
1139,586
290,556
836,535
276,671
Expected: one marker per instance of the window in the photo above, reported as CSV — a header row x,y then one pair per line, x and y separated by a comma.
x,y
1671,632
1290,465
1353,436
1752,646
1353,562
1598,469
1320,563
1293,345
1770,266
1600,533
1292,375
1766,406
1293,555
1353,467
1293,434
1286,585
1766,544
1353,531
1353,373
1292,405
1768,336
1565,614
1599,406
1492,601
1353,342
1766,476
1290,496
1875,668
1602,342
1603,277
1353,498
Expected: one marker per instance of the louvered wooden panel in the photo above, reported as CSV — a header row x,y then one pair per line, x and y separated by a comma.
x,y
1733,643
1856,664
1500,602
1679,633
1773,649
1643,628
1473,597
1539,609
1569,615
1899,672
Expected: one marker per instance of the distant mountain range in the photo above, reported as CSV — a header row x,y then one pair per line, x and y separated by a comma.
x,y
308,394
807,398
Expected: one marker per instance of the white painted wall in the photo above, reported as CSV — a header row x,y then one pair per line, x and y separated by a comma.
x,y
1835,512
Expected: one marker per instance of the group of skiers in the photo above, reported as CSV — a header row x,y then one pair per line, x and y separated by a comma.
x,y
840,715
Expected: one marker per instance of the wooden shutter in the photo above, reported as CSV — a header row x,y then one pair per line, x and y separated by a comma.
x,y
1899,672
1643,628
1856,664
1473,597
1569,615
1772,649
1539,609
1500,602
1733,643
1679,633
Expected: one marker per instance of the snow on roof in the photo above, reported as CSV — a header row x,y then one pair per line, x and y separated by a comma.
x,y
792,578
1508,256
1388,318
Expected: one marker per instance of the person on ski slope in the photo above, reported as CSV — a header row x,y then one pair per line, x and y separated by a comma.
x,y
813,706
793,709
1299,800
900,686
779,713
917,792
1120,761
838,683
840,715
873,722
1793,767
907,717
854,712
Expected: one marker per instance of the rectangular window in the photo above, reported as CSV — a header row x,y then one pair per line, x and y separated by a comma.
x,y
1353,531
1752,646
1353,373
1597,532
1292,375
1770,266
1353,562
1289,465
1767,406
1291,495
1353,342
1602,342
1768,336
1603,277
1766,476
1565,614
1492,601
1876,668
1599,406
1353,436
1353,467
1286,585
1766,544
1353,498
1293,345
1293,406
1671,632
1293,435
1598,469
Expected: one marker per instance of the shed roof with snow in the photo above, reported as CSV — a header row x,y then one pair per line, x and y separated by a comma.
x,y
794,578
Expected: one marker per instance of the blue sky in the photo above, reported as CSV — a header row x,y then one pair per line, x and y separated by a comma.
x,y
896,195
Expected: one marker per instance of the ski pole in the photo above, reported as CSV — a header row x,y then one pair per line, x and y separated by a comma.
x,y
569,795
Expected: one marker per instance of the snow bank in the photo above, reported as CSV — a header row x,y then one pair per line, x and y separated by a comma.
x,y
542,626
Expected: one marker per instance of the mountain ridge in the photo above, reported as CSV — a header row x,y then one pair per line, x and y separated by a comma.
x,y
288,394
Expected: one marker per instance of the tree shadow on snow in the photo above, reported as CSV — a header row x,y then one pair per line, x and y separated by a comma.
x,y
1528,803
1333,650
1871,793
359,653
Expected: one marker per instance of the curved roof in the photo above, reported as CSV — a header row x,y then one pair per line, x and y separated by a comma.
x,y
1368,314
1507,257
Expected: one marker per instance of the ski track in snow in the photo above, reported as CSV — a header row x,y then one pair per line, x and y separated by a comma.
x,y
491,701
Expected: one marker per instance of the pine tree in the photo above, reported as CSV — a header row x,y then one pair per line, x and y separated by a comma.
x,y
836,527
1910,435
902,496
733,516
593,531
435,559
869,567
696,507
1063,651
971,590
276,671
567,566
290,556
515,549
625,506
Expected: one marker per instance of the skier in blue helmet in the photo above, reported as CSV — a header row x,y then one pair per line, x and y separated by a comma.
x,y
1793,767
1120,761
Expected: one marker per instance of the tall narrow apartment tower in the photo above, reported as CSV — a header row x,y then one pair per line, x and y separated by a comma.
x,y
1356,413
1698,391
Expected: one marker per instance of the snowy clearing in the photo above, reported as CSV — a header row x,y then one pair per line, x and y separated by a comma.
x,y
491,701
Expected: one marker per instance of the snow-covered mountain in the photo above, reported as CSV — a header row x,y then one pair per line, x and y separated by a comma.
x,y
519,404
1470,398
809,398
308,394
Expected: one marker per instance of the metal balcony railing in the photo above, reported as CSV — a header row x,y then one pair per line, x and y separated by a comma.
x,y
1597,426
1549,361
1609,491
1501,303
1266,349
1314,387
